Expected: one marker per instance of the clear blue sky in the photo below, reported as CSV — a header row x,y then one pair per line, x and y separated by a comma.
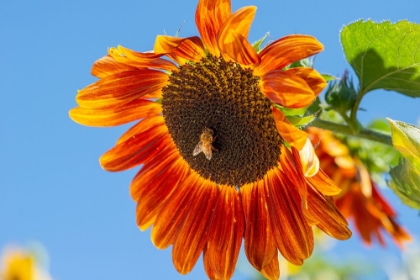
x,y
52,189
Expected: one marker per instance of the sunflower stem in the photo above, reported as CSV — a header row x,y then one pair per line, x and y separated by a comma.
x,y
347,130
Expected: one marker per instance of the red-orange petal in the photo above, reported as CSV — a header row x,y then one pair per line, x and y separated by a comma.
x,y
136,109
141,60
232,37
294,136
107,66
209,18
225,233
286,50
236,47
136,150
287,89
181,50
191,236
208,267
141,126
292,234
314,80
152,170
173,213
323,184
157,190
260,247
121,88
323,209
272,270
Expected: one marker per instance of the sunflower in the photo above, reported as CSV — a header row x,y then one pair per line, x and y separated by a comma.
x,y
360,199
220,162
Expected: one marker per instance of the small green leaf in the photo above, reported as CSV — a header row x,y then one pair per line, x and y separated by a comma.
x,y
405,182
257,45
302,116
328,77
384,55
406,139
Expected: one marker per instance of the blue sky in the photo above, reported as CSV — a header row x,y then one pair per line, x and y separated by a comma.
x,y
52,188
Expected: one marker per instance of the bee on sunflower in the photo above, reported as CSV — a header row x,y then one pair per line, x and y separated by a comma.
x,y
262,183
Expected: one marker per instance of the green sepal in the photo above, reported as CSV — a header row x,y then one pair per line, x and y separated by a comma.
x,y
405,182
257,45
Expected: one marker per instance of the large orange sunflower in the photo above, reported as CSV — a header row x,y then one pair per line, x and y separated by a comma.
x,y
211,142
360,200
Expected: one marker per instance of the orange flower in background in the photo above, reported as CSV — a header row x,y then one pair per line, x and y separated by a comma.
x,y
360,198
210,140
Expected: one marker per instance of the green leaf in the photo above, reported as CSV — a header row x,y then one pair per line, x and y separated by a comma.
x,y
405,182
302,116
384,55
328,77
406,139
257,45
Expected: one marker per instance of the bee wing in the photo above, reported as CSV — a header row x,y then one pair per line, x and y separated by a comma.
x,y
208,153
198,149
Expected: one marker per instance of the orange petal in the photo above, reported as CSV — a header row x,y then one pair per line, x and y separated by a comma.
x,y
209,18
260,247
152,170
211,274
225,233
291,134
314,80
235,46
141,60
308,159
330,219
286,89
157,190
232,38
121,88
323,184
191,236
181,50
286,50
136,150
141,126
173,213
107,66
293,236
272,270
136,109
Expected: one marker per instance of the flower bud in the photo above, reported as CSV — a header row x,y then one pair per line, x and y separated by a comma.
x,y
341,94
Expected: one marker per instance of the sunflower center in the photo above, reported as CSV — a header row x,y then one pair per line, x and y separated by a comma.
x,y
217,106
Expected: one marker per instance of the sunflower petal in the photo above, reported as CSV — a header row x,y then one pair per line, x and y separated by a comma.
x,y
260,247
173,213
286,50
330,219
272,270
293,236
323,184
235,46
286,89
135,150
314,80
141,126
211,274
121,88
232,38
308,159
141,60
136,109
291,134
209,18
225,233
181,50
191,236
157,190
107,66
151,172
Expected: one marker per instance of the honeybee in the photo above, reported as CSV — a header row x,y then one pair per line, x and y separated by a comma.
x,y
205,144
